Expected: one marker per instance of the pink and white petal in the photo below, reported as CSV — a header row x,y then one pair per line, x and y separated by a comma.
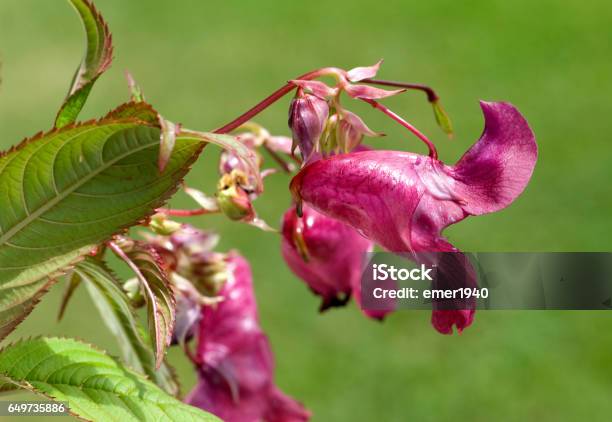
x,y
317,88
370,92
360,73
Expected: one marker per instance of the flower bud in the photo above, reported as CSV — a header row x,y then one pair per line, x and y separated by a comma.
x,y
307,116
159,224
233,199
207,271
350,131
230,160
197,262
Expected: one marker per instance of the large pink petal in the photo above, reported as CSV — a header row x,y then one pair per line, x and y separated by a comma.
x,y
498,167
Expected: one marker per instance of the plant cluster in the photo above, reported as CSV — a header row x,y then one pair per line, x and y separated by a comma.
x,y
69,195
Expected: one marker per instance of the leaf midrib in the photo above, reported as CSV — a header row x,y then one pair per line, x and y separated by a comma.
x,y
66,192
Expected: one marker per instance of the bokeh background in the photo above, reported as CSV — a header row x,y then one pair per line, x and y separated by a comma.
x,y
203,62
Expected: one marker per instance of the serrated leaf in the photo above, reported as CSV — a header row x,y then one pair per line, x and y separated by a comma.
x,y
135,110
114,308
157,289
96,386
98,57
64,192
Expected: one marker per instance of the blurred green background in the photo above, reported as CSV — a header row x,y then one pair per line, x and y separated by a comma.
x,y
202,63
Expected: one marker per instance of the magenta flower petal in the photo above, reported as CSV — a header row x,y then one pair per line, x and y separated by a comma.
x,y
327,254
236,375
444,320
282,408
498,167
360,73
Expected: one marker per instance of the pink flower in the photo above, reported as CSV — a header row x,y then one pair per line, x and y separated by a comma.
x,y
236,373
403,200
327,254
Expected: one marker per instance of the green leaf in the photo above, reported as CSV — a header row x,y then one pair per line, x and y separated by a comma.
x,y
157,289
64,192
114,308
98,58
96,386
135,110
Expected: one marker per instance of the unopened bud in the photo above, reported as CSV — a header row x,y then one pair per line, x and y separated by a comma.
x,y
159,224
329,140
307,116
207,271
350,131
229,161
233,200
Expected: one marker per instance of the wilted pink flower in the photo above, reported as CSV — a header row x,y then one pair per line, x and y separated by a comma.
x,y
403,200
307,116
327,254
236,373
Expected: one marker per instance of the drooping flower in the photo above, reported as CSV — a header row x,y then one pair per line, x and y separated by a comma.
x,y
403,200
327,255
236,370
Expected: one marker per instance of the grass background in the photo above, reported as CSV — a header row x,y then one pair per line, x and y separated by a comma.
x,y
203,62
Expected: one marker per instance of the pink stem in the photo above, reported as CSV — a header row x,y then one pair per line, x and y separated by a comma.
x,y
184,213
433,153
431,94
274,97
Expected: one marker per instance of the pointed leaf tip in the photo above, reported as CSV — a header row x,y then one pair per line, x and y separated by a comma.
x,y
159,295
98,58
